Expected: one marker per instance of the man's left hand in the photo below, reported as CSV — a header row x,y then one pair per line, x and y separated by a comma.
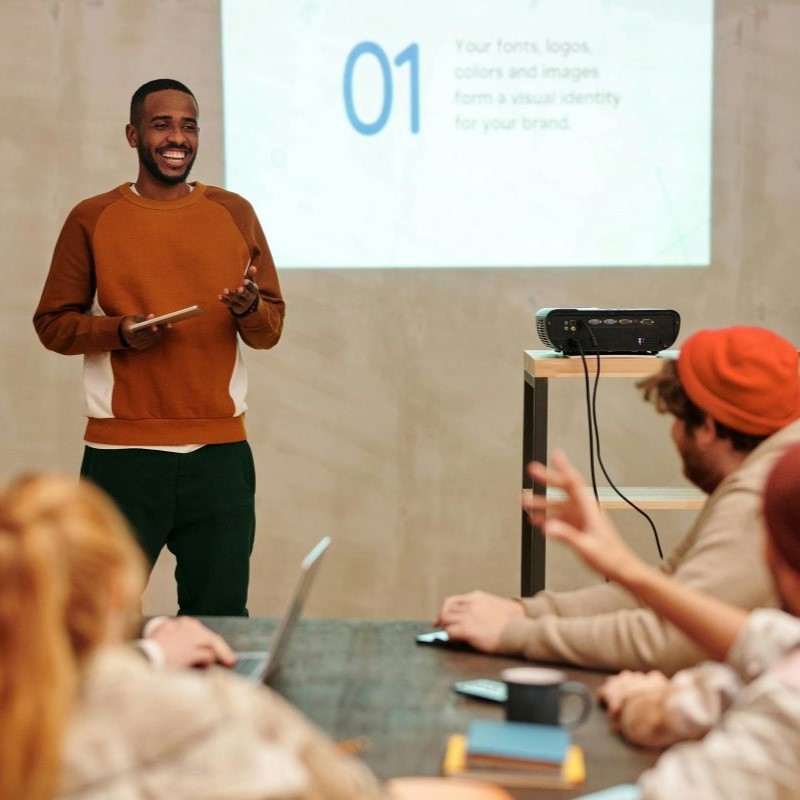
x,y
242,298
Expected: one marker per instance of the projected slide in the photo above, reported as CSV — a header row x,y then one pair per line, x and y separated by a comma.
x,y
472,133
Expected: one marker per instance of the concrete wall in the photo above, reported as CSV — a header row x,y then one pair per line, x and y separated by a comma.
x,y
390,416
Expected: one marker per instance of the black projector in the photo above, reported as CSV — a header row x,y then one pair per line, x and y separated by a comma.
x,y
607,331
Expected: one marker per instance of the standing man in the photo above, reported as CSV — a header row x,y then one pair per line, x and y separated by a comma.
x,y
734,394
165,404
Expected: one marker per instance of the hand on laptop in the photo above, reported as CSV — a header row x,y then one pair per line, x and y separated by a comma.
x,y
478,618
186,642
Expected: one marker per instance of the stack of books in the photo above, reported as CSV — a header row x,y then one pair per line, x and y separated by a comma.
x,y
515,754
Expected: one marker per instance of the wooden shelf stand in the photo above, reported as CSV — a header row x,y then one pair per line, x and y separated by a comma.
x,y
541,366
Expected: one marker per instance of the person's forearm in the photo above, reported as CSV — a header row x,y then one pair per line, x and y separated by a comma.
x,y
600,599
70,332
712,623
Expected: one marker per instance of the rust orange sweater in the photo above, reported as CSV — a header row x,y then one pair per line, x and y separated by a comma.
x,y
121,254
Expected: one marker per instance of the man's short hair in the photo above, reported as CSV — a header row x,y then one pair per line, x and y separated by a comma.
x,y
157,85
665,392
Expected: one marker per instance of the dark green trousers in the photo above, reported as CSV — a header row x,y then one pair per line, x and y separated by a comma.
x,y
201,505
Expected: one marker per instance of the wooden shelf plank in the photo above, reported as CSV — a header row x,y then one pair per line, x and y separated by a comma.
x,y
549,364
652,498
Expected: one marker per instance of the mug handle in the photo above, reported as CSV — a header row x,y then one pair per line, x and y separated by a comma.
x,y
576,688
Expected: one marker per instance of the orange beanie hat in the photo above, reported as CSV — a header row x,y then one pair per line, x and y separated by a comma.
x,y
746,378
782,506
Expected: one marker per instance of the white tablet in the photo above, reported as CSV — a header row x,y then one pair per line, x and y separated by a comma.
x,y
173,316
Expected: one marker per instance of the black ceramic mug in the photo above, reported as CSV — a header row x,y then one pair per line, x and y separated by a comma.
x,y
535,695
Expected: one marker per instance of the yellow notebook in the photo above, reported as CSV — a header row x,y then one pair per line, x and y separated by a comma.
x,y
454,765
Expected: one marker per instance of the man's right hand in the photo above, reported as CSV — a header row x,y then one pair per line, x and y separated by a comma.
x,y
478,618
186,642
144,337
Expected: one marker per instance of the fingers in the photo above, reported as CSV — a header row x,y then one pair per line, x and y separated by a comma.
x,y
450,609
618,689
221,651
456,610
570,480
208,653
241,298
456,631
611,697
142,338
209,645
187,642
538,506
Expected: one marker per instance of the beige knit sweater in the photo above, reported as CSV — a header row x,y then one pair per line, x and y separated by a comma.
x,y
167,735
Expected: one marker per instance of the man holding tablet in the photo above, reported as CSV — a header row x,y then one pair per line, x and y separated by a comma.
x,y
166,400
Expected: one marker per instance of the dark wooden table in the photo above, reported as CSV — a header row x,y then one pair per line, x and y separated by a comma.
x,y
369,678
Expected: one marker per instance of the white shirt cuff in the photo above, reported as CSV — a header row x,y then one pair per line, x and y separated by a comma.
x,y
152,625
152,652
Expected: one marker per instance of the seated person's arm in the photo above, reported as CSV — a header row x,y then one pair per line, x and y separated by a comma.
x,y
652,711
577,521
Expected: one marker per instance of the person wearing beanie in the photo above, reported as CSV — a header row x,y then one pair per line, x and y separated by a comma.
x,y
739,716
734,394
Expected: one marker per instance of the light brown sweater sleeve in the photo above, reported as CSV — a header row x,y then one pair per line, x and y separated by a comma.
x,y
601,599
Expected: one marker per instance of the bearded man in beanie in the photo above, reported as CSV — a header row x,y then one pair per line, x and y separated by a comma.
x,y
735,397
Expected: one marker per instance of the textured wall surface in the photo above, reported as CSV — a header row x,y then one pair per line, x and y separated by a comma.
x,y
390,416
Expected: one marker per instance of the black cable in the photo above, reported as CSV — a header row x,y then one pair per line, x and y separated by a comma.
x,y
589,422
593,426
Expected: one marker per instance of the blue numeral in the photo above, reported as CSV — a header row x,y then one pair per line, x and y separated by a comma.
x,y
368,129
410,55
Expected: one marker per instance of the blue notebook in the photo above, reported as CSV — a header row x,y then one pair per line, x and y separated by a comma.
x,y
490,742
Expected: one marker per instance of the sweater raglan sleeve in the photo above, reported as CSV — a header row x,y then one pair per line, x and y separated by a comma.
x,y
63,320
724,560
262,329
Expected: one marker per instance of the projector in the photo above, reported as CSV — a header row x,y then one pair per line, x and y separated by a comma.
x,y
607,331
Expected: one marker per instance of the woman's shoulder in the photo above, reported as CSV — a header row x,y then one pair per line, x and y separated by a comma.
x,y
132,722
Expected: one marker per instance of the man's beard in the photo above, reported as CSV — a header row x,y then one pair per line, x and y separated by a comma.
x,y
702,474
150,165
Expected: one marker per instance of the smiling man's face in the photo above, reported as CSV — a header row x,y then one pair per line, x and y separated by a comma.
x,y
166,136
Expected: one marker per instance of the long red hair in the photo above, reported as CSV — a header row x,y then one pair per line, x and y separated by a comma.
x,y
66,560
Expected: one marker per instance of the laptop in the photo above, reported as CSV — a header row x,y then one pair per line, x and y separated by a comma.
x,y
262,666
